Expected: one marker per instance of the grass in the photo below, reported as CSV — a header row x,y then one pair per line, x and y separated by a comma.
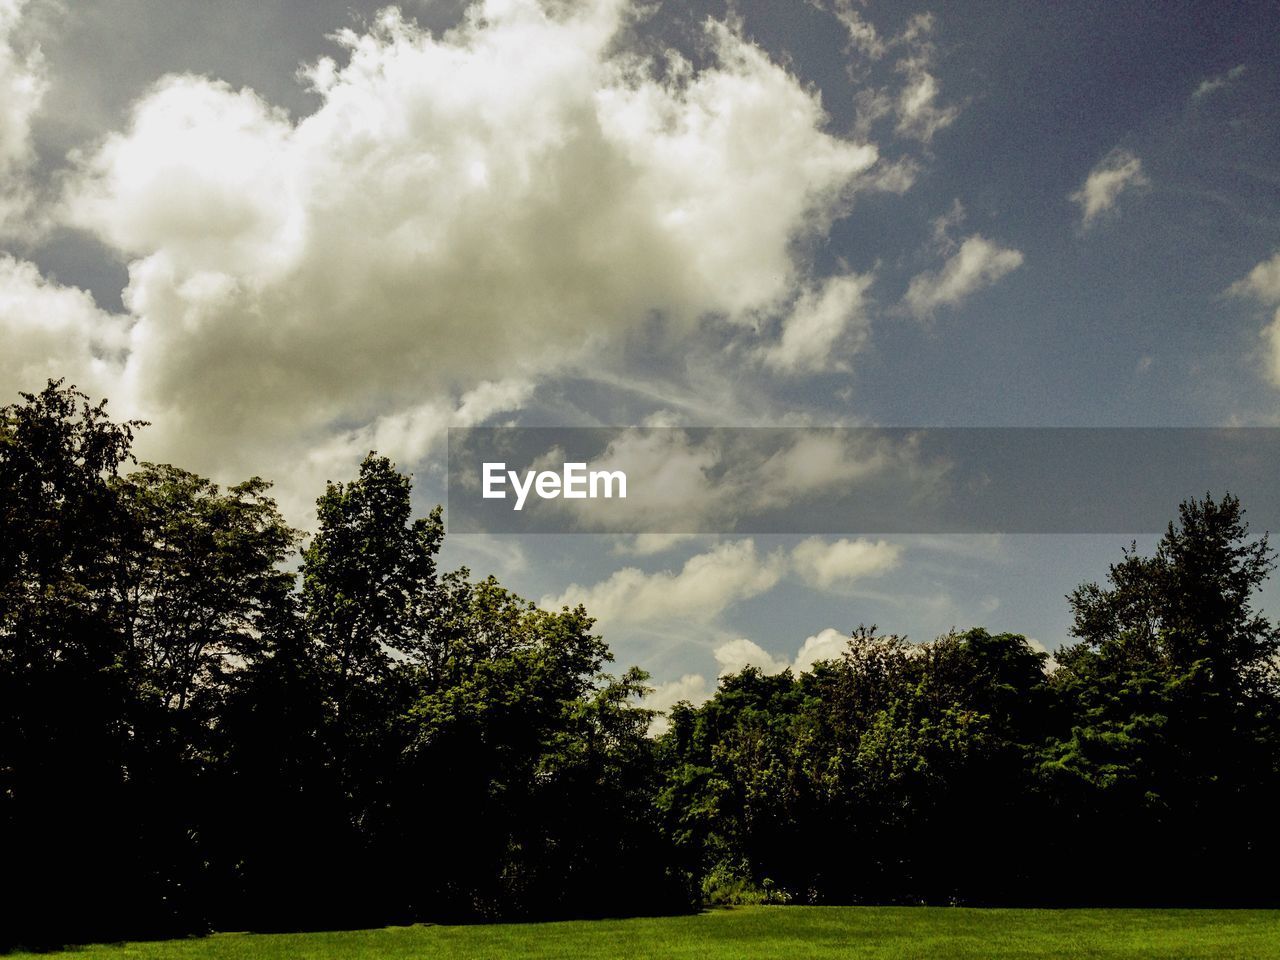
x,y
746,933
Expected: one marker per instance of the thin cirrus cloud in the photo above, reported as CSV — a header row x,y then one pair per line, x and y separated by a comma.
x,y
1211,85
465,211
1119,172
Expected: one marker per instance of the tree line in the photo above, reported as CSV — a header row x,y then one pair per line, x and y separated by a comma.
x,y
208,723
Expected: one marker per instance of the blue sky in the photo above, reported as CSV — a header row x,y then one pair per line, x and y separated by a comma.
x,y
586,213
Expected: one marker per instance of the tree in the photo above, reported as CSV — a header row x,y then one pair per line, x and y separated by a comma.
x,y
369,576
1190,606
1174,713
66,701
202,577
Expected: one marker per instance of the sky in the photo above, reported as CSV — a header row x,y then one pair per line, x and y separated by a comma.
x,y
287,232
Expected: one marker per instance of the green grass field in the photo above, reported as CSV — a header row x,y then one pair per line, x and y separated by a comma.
x,y
744,933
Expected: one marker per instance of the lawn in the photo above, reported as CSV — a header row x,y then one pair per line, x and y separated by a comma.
x,y
744,933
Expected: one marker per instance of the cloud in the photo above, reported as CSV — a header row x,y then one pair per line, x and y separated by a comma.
x,y
1263,285
828,644
648,544
48,330
406,436
841,562
1213,84
826,325
1119,171
711,582
483,206
919,114
692,688
978,263
863,36
704,587
915,106
22,88
736,655
708,480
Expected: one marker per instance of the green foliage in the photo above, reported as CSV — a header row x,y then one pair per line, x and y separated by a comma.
x,y
191,738
1174,710
384,742
368,576
862,779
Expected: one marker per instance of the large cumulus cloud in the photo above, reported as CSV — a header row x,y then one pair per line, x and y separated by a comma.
x,y
467,209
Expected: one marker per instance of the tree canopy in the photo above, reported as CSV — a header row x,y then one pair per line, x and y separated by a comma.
x,y
195,736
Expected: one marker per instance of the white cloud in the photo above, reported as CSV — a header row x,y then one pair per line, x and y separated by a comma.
x,y
737,655
1119,171
648,544
406,436
841,562
711,582
734,656
1263,284
916,105
48,330
485,554
919,113
704,587
863,36
828,644
692,687
22,88
1213,84
978,263
679,480
482,206
826,325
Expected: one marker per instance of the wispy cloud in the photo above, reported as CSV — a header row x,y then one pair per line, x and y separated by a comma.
x,y
1120,171
704,587
827,325
1213,84
976,264
915,105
